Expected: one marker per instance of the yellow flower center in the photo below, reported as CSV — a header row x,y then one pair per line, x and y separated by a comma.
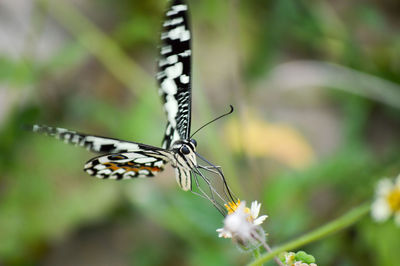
x,y
393,199
232,206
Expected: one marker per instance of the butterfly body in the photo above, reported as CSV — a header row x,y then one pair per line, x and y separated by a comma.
x,y
184,152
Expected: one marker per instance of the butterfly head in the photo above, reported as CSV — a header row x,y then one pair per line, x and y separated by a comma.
x,y
185,147
185,153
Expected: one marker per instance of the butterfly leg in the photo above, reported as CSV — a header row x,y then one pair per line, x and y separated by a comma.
x,y
212,191
210,168
204,195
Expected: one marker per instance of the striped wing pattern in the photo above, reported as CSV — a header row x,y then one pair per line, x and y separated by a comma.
x,y
124,159
174,73
90,142
127,165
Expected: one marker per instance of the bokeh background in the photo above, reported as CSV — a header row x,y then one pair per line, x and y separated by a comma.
x,y
316,89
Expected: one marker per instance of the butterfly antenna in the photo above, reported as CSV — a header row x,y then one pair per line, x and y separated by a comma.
x,y
215,119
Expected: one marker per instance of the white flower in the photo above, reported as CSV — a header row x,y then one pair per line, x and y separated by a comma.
x,y
237,224
243,224
387,200
254,211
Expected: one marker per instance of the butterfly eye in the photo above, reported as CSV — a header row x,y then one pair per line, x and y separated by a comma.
x,y
194,142
185,150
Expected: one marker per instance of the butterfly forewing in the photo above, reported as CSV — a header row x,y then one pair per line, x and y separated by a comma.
x,y
124,159
174,73
90,142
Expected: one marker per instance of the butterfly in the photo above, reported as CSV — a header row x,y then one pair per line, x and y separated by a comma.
x,y
122,159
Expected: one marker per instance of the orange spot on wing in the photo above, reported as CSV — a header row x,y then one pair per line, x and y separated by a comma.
x,y
112,166
132,167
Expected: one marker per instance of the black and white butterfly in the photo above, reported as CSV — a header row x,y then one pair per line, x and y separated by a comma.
x,y
124,159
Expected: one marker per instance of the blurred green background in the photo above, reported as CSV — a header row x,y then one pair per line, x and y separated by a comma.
x,y
316,87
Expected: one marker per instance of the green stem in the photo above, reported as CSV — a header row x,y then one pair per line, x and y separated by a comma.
x,y
340,223
256,253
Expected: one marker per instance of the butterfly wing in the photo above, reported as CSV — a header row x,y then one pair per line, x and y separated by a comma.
x,y
127,165
90,142
174,73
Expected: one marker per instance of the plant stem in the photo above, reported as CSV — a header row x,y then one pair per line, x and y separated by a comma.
x,y
256,253
340,223
267,248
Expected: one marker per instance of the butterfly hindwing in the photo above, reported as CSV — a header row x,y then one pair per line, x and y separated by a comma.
x,y
174,73
127,165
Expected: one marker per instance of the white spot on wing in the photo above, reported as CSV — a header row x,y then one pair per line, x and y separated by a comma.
x,y
75,139
171,106
184,79
98,142
179,33
172,22
103,171
169,87
176,9
174,71
130,174
67,136
185,35
159,164
144,172
61,130
99,167
166,49
112,177
145,160
172,59
186,53
89,171
119,171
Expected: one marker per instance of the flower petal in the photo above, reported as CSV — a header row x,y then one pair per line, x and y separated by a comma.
x,y
384,187
380,210
260,220
255,209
